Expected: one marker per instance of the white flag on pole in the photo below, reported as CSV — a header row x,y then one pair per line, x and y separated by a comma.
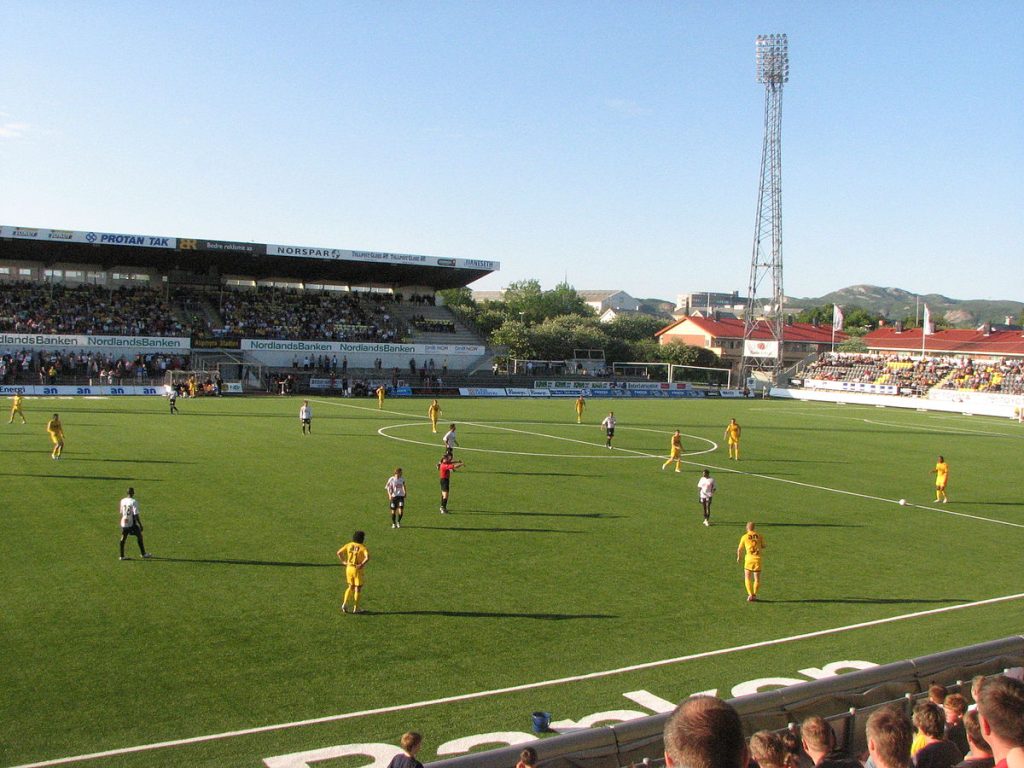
x,y
837,318
927,324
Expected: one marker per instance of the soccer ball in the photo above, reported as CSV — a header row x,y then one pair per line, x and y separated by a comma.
x,y
903,502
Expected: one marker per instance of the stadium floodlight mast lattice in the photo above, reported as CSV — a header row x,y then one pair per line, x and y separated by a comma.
x,y
763,335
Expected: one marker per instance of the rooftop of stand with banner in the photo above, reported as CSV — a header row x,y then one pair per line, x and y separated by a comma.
x,y
182,257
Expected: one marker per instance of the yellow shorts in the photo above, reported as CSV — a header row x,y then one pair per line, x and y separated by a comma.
x,y
752,564
353,576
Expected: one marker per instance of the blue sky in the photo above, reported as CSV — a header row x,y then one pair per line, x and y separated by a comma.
x,y
616,145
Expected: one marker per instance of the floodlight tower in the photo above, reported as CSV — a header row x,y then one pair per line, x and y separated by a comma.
x,y
763,353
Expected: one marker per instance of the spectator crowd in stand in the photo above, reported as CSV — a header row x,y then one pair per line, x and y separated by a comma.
x,y
707,732
87,309
314,316
916,375
50,367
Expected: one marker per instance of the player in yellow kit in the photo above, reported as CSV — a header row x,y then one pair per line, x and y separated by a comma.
x,y
56,431
751,546
675,452
433,412
16,408
355,556
941,473
581,403
732,438
381,391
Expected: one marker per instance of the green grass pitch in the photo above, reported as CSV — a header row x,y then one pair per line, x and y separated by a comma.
x,y
560,558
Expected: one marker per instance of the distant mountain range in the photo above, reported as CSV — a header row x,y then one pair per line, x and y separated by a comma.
x,y
895,304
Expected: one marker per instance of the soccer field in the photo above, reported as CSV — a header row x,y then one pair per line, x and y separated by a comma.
x,y
560,559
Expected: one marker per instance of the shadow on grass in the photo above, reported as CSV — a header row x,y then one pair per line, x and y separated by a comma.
x,y
230,561
592,515
80,477
136,461
497,615
536,474
737,524
448,529
871,600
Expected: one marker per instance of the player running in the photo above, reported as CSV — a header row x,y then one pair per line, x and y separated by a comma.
x,y
941,473
609,429
753,544
355,556
732,438
16,408
56,431
581,403
433,413
675,452
395,487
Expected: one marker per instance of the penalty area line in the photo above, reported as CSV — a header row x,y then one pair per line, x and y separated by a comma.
x,y
522,687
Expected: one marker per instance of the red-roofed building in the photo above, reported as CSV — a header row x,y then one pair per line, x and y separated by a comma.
x,y
724,337
954,341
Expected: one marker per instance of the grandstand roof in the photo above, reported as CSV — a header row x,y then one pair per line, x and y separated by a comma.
x,y
187,256
732,328
953,341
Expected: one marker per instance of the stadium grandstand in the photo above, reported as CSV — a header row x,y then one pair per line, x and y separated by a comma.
x,y
80,307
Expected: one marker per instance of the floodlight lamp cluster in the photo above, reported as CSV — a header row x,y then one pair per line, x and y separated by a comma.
x,y
772,59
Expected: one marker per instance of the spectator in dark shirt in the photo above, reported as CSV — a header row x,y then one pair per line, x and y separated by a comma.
x,y
410,744
819,741
937,752
980,753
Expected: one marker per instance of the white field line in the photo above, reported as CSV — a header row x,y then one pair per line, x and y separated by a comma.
x,y
522,687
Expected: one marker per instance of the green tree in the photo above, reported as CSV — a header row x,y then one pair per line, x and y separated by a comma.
x,y
634,327
821,315
564,300
524,300
457,297
514,335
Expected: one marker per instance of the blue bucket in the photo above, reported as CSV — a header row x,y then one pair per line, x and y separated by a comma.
x,y
541,721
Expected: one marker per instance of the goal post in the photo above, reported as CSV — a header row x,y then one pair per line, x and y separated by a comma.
x,y
699,374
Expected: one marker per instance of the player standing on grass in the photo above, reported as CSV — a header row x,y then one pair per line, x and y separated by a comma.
x,y
445,467
355,556
581,403
609,429
16,408
675,449
306,418
732,438
941,473
706,488
395,486
433,413
172,400
56,431
752,543
131,525
381,391
449,440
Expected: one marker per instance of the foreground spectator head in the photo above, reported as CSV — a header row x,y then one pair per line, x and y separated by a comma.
x,y
1001,713
937,693
817,736
767,750
979,747
411,742
527,758
954,707
705,732
929,719
889,734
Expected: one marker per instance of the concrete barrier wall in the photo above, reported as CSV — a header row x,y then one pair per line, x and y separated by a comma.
x,y
846,700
